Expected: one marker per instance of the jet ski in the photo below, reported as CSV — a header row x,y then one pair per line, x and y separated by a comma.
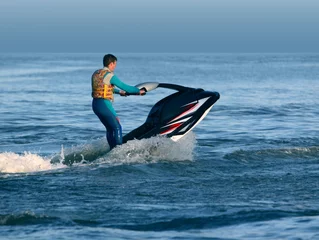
x,y
175,115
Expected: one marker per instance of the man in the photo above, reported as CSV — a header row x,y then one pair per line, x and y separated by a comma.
x,y
103,82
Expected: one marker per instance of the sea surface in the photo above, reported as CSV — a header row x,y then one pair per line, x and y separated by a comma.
x,y
249,170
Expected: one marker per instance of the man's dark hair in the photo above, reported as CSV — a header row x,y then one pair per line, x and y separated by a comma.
x,y
108,58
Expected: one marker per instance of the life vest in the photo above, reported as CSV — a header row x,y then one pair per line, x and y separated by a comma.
x,y
101,86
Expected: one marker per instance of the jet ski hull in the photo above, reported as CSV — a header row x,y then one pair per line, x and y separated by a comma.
x,y
175,115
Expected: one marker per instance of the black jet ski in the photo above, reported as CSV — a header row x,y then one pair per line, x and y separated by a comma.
x,y
175,115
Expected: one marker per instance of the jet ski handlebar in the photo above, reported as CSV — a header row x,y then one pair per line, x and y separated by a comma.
x,y
149,86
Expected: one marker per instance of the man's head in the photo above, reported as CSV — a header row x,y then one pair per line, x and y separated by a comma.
x,y
109,61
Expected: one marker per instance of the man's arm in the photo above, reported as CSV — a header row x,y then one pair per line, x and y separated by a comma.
x,y
127,88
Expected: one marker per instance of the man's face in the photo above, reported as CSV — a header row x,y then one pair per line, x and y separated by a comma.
x,y
112,66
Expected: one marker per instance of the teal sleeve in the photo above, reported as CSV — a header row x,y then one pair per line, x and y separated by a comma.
x,y
127,88
116,90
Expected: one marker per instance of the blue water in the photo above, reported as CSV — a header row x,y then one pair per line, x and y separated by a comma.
x,y
249,170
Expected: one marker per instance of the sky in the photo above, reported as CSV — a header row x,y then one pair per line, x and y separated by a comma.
x,y
159,26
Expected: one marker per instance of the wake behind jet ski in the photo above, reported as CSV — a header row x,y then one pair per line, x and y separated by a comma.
x,y
175,115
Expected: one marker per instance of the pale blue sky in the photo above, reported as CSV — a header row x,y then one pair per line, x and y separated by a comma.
x,y
159,26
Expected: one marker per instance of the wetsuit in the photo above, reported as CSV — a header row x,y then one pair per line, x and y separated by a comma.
x,y
103,107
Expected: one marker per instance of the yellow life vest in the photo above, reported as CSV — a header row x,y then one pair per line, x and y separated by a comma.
x,y
101,86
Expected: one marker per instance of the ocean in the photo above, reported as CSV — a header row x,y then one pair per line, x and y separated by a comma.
x,y
249,170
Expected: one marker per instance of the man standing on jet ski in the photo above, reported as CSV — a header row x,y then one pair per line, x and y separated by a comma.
x,y
103,87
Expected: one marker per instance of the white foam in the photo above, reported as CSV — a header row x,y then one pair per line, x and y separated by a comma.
x,y
82,153
151,150
25,163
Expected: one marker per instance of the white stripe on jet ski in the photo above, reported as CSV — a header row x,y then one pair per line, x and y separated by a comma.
x,y
193,109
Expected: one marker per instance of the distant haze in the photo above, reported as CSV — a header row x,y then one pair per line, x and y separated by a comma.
x,y
159,26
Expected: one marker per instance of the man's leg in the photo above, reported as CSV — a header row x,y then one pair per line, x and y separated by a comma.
x,y
114,133
110,121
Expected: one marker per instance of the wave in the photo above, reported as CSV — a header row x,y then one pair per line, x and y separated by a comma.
x,y
152,150
136,151
25,218
7,74
177,224
82,153
25,163
281,225
218,221
290,109
285,228
281,153
97,152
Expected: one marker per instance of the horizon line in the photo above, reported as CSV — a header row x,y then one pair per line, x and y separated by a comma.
x,y
179,52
